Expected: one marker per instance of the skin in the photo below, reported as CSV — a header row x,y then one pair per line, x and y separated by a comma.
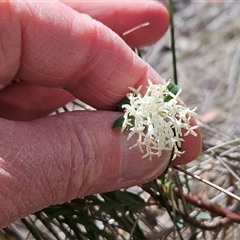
x,y
62,51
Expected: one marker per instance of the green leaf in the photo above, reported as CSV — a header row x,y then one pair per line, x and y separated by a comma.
x,y
118,122
194,236
173,88
124,197
47,223
169,186
203,216
33,229
132,119
178,222
118,107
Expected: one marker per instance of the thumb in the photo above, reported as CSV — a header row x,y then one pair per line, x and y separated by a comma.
x,y
56,159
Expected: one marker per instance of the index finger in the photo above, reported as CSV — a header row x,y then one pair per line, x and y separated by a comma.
x,y
121,16
82,55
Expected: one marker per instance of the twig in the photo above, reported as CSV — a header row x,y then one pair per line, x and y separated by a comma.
x,y
184,204
208,183
197,224
222,145
184,216
234,217
135,225
228,168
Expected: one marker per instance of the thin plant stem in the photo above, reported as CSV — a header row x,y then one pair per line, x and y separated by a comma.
x,y
208,183
173,49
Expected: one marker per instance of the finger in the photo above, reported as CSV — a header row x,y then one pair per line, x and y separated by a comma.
x,y
62,48
192,146
122,16
31,101
55,159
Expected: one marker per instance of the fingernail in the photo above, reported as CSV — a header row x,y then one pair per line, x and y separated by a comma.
x,y
134,167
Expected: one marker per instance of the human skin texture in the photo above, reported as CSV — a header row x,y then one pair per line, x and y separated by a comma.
x,y
62,51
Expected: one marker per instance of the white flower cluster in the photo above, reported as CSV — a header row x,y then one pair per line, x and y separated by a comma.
x,y
159,124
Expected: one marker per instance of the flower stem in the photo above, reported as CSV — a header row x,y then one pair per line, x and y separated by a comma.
x,y
171,10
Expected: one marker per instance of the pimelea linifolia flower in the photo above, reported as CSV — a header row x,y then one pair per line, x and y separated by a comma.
x,y
158,119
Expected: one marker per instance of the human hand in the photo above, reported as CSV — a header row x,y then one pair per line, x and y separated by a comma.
x,y
60,54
